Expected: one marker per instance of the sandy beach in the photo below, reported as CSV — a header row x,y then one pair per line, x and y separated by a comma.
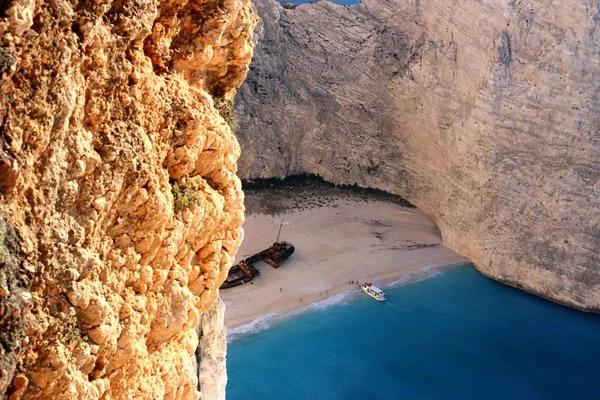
x,y
339,241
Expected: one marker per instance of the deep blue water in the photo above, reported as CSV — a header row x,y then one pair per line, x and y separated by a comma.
x,y
456,335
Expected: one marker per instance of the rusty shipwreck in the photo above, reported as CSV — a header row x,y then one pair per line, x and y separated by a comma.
x,y
245,271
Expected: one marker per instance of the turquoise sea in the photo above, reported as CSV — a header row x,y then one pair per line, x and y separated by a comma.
x,y
454,335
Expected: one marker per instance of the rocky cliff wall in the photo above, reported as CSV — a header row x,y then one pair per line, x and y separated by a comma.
x,y
484,114
120,210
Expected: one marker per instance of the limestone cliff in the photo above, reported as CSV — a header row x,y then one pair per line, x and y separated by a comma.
x,y
120,210
483,114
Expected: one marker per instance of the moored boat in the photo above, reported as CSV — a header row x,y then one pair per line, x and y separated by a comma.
x,y
373,291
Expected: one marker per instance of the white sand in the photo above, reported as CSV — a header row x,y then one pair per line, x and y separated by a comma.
x,y
344,241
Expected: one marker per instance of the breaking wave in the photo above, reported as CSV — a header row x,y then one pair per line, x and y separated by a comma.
x,y
266,321
423,273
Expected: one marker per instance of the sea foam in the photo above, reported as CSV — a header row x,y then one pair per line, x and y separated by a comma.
x,y
421,274
267,321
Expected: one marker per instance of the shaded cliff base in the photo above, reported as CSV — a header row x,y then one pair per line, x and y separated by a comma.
x,y
546,295
305,191
15,309
341,235
299,196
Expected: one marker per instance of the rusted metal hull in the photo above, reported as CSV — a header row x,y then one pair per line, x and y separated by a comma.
x,y
244,271
277,253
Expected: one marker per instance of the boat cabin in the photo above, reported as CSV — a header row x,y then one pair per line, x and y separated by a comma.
x,y
277,253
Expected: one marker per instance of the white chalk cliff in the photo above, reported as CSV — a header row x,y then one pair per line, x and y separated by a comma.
x,y
484,114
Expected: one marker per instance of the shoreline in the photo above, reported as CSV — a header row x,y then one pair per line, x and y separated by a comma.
x,y
341,241
266,321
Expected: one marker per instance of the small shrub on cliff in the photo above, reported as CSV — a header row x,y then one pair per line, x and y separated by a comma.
x,y
226,110
72,332
289,6
183,196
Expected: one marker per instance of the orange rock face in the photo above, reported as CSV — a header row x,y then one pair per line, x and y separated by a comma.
x,y
121,211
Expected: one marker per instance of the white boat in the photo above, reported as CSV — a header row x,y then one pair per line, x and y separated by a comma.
x,y
373,291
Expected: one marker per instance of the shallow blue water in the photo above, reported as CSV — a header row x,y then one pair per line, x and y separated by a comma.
x,y
457,335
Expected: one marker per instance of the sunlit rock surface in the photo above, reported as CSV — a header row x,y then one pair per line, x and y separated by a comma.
x,y
105,272
483,114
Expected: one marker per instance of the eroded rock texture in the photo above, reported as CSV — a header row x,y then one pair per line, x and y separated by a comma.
x,y
483,114
212,376
105,270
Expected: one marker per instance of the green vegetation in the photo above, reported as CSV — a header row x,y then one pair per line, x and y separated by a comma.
x,y
288,5
183,196
226,110
72,332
